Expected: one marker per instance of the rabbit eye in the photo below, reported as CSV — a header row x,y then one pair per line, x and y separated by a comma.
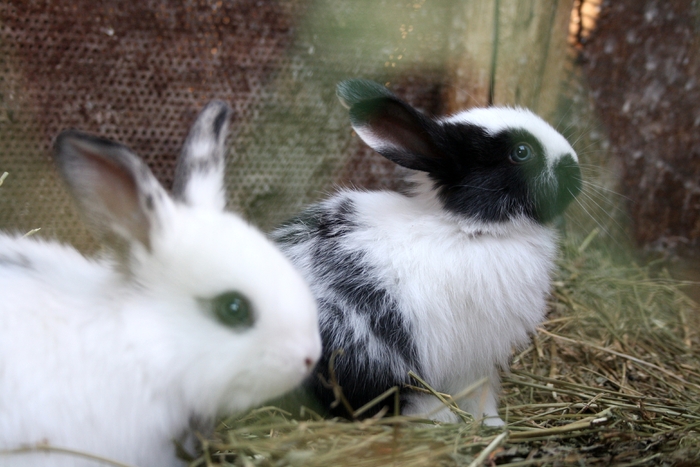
x,y
234,310
521,153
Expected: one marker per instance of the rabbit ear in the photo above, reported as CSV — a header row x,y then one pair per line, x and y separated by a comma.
x,y
391,127
199,176
113,187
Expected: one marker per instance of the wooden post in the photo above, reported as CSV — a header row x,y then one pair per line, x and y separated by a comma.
x,y
530,55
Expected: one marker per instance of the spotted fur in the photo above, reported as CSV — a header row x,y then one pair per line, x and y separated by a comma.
x,y
444,280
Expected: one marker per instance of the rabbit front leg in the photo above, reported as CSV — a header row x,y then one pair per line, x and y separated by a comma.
x,y
482,403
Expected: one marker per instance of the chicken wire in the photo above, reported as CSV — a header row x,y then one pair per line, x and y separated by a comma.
x,y
138,73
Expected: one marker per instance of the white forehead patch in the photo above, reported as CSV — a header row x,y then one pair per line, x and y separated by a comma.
x,y
496,119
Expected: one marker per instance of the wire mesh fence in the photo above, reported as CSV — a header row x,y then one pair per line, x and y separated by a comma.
x,y
138,72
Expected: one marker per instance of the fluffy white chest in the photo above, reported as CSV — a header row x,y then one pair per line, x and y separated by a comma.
x,y
471,292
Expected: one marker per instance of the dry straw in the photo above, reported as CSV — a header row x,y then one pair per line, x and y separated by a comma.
x,y
612,378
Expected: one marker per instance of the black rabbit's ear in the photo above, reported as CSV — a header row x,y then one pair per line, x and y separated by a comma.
x,y
391,127
354,91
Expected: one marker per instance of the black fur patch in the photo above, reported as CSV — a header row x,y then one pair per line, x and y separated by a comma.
x,y
378,353
219,121
477,179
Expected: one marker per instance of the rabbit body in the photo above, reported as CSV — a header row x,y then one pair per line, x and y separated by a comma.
x,y
120,356
421,292
442,280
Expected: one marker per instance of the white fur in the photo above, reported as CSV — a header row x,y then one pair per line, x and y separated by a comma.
x,y
93,362
200,192
509,118
118,359
200,150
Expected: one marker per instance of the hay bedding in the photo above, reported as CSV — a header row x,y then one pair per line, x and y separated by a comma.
x,y
612,378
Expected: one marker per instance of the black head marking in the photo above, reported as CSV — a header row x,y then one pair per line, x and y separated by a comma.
x,y
479,178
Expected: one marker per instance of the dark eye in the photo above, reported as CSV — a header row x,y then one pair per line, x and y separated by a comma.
x,y
233,309
521,153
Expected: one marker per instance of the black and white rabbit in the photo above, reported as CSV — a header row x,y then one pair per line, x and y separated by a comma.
x,y
446,279
197,313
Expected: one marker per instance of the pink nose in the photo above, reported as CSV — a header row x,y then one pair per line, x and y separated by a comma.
x,y
309,363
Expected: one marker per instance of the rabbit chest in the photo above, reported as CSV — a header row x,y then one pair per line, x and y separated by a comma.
x,y
468,292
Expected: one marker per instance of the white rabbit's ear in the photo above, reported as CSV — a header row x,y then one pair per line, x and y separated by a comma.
x,y
391,127
113,187
199,176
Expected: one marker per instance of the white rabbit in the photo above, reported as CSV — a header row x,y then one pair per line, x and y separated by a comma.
x,y
444,280
196,315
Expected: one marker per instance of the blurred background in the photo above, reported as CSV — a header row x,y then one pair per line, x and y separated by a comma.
x,y
619,78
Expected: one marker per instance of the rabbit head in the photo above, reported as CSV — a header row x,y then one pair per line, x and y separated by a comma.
x,y
488,164
222,311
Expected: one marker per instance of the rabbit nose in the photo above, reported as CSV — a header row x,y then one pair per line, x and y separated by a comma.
x,y
309,362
